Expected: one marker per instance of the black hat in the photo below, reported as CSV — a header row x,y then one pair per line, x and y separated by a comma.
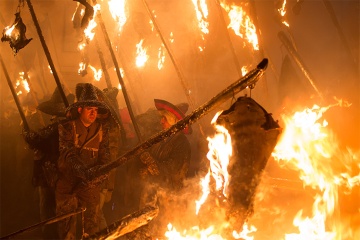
x,y
86,95
55,106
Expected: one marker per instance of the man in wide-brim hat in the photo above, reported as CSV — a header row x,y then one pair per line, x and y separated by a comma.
x,y
166,164
83,145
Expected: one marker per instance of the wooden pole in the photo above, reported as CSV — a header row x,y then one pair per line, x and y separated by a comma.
x,y
298,61
249,80
47,53
117,69
13,92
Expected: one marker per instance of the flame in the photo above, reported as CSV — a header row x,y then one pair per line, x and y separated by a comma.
x,y
89,34
308,146
242,25
141,57
244,70
8,30
97,73
117,10
220,150
21,84
50,69
282,12
82,67
161,56
201,15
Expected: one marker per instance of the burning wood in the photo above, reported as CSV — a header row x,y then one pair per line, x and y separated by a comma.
x,y
248,80
127,224
254,134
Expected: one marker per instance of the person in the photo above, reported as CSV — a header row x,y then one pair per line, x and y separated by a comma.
x,y
83,147
45,145
165,165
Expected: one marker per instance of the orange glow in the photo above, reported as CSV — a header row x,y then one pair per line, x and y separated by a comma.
x,y
97,73
282,12
308,146
117,10
161,56
89,34
21,83
141,56
241,24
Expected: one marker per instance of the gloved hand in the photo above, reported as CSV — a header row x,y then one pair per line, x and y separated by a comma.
x,y
79,170
150,162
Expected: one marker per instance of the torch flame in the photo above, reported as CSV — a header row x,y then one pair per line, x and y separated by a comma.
x,y
117,10
89,34
242,25
141,57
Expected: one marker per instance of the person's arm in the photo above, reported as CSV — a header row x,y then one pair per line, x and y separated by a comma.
x,y
69,161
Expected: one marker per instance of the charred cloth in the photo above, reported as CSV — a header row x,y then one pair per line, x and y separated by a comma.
x,y
254,134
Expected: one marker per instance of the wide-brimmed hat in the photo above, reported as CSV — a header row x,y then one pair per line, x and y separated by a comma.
x,y
55,105
86,95
178,111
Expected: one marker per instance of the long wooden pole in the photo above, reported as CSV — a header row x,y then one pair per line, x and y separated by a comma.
x,y
249,80
13,92
47,53
298,61
117,69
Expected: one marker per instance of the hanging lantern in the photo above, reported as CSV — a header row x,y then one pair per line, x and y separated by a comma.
x,y
15,34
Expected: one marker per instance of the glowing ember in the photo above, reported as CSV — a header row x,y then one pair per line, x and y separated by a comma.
x,y
117,10
82,67
310,148
242,25
141,57
282,12
161,56
97,73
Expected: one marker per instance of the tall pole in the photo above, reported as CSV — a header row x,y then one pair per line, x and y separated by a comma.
x,y
47,53
21,112
298,61
117,69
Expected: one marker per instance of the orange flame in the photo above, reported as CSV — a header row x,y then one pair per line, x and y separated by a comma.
x,y
242,25
22,84
309,147
97,73
141,57
117,10
89,34
282,12
201,15
161,56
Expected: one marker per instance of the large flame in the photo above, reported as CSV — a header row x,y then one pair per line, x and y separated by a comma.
x,y
89,33
242,24
308,146
117,9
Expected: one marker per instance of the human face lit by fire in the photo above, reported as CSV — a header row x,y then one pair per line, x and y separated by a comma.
x,y
88,115
164,123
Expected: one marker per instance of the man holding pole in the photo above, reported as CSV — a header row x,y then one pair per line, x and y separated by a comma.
x,y
83,144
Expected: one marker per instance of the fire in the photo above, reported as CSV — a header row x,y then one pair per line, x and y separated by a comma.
x,y
141,57
89,34
22,84
220,151
97,73
161,56
117,10
242,25
308,146
282,12
9,30
201,15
